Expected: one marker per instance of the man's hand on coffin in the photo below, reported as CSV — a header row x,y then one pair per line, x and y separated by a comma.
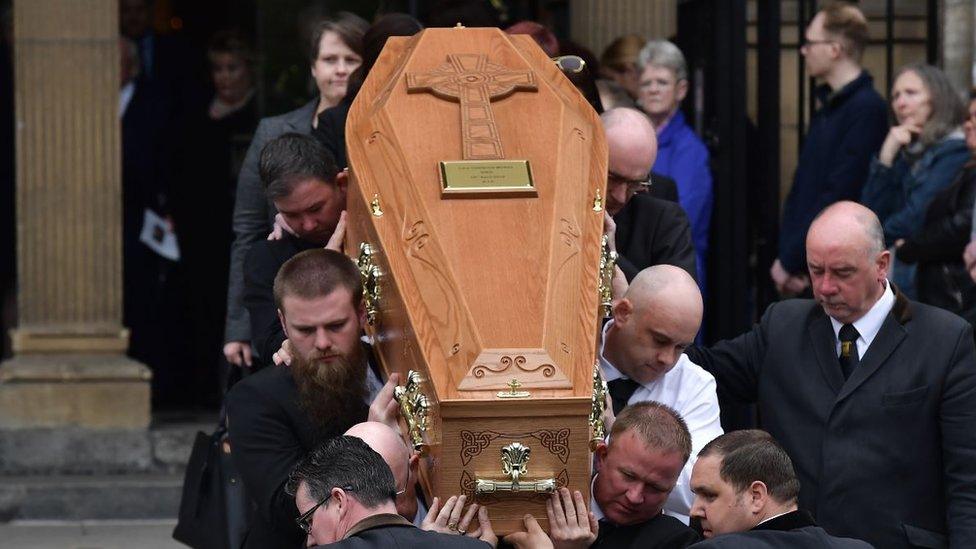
x,y
610,229
338,235
384,408
532,538
238,353
282,355
571,525
448,519
279,228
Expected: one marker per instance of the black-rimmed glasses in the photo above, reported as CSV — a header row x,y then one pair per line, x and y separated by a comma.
x,y
634,185
305,521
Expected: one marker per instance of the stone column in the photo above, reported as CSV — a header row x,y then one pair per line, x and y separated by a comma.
x,y
596,23
69,367
958,19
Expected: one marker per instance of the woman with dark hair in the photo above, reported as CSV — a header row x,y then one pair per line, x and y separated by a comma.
x,y
942,279
335,51
920,156
215,136
331,127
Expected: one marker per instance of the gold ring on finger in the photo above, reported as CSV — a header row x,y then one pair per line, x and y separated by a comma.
x,y
452,525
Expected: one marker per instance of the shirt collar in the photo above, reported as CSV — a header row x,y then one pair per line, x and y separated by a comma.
x,y
610,373
376,521
869,325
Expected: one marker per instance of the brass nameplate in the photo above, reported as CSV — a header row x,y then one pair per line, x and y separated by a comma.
x,y
461,177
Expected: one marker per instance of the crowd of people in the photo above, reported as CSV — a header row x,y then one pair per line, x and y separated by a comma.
x,y
864,376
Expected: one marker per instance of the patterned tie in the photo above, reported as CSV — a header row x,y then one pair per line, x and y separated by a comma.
x,y
621,389
848,349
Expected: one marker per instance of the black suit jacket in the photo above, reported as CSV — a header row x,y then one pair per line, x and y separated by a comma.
x,y
661,532
789,531
260,268
269,435
384,531
651,231
889,456
663,187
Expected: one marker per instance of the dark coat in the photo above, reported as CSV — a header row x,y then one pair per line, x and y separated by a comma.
x,y
331,130
942,279
663,187
269,435
844,134
387,530
260,269
651,231
661,532
792,530
887,456
254,213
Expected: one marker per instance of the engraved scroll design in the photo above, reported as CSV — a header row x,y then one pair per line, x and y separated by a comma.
x,y
443,309
468,484
554,440
506,362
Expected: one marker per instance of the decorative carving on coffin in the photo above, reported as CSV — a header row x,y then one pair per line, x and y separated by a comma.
x,y
554,440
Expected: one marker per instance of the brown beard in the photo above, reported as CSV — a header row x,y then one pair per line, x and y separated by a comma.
x,y
332,390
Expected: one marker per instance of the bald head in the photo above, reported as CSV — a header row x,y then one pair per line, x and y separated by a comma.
x,y
654,322
387,443
666,286
631,140
847,260
849,220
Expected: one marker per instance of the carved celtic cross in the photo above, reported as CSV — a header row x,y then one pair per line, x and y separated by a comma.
x,y
474,82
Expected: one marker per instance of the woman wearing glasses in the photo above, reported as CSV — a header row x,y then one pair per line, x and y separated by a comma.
x,y
681,155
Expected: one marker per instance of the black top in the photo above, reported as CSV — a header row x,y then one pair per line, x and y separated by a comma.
x,y
651,231
388,530
661,532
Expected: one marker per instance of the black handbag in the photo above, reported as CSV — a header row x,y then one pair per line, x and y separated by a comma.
x,y
213,506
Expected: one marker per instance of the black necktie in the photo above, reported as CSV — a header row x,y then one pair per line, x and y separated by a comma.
x,y
621,389
848,349
606,527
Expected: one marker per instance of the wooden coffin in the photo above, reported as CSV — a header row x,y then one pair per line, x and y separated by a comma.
x,y
487,288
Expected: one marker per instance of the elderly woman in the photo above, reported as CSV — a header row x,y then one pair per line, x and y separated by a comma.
x,y
920,157
681,155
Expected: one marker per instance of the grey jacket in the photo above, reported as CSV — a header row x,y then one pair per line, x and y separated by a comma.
x,y
254,213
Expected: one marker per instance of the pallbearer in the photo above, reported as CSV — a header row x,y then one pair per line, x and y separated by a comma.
x,y
476,211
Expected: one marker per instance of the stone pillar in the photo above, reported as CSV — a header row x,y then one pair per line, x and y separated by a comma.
x,y
596,23
958,25
69,367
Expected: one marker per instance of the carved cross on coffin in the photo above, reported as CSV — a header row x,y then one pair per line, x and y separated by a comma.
x,y
474,82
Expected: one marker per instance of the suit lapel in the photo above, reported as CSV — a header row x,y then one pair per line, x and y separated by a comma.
x,y
888,338
824,346
301,120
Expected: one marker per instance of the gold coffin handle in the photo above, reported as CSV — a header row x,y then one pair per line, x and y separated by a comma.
x,y
598,406
515,456
369,273
414,407
608,260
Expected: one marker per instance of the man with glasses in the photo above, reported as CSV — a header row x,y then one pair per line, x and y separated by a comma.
x,y
346,495
844,134
644,230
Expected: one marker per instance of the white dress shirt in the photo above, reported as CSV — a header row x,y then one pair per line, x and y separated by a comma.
x,y
690,390
868,325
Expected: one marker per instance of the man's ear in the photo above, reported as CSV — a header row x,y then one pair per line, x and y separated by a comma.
x,y
414,462
284,325
342,180
361,313
884,263
681,89
341,499
622,311
599,455
757,496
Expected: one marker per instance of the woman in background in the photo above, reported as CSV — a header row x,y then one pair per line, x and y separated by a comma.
x,y
941,278
335,52
681,155
922,155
